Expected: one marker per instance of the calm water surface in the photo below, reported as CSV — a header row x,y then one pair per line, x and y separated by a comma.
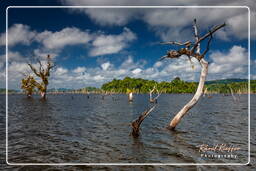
x,y
77,129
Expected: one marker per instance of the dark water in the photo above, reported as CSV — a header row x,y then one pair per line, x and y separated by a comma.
x,y
77,129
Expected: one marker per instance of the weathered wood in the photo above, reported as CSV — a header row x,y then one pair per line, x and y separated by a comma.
x,y
204,65
151,99
130,97
195,98
136,123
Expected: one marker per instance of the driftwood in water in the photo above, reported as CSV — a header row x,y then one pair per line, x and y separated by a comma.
x,y
189,51
136,123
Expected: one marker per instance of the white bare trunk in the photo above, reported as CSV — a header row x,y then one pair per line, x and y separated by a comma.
x,y
194,100
130,97
233,96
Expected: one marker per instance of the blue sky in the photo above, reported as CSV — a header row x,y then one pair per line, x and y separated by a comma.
x,y
93,46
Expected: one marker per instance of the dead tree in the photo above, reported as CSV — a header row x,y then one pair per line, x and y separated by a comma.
x,y
43,73
137,122
151,99
130,97
190,50
28,85
232,93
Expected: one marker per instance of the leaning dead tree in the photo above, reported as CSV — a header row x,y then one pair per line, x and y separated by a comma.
x,y
43,72
190,50
137,122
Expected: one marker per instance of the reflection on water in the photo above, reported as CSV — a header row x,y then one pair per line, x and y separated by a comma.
x,y
78,129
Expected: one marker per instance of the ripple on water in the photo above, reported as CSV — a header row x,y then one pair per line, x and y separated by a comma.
x,y
81,129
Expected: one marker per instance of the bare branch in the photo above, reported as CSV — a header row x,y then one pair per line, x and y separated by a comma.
x,y
197,45
208,46
154,100
34,70
176,43
207,35
163,57
41,67
212,31
158,94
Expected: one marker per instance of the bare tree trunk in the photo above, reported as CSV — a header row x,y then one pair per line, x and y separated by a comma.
x,y
43,95
136,123
232,93
204,64
130,97
194,100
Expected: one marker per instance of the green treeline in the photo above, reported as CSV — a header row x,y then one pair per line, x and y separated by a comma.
x,y
139,85
177,85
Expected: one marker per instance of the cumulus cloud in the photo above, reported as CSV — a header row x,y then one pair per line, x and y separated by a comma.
x,y
233,63
230,64
18,33
53,42
79,70
109,44
105,65
60,39
173,22
136,71
104,17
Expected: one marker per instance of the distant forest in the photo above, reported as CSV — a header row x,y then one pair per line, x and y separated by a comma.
x,y
138,85
177,85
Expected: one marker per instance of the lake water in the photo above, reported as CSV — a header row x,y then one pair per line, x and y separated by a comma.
x,y
76,129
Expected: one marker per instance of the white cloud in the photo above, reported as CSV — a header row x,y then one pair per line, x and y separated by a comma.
x,y
109,44
173,23
117,17
79,70
60,39
18,33
158,64
12,57
231,64
53,42
61,71
43,53
136,71
105,66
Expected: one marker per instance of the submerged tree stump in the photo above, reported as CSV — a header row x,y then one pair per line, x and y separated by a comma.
x,y
136,123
